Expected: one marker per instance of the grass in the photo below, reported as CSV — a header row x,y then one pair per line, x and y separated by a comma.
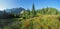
x,y
39,22
42,22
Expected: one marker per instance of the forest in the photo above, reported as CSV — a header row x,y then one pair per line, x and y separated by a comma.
x,y
20,18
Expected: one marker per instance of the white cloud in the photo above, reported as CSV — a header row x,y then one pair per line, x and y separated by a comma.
x,y
1,8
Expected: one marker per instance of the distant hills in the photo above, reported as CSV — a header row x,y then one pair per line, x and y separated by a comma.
x,y
6,13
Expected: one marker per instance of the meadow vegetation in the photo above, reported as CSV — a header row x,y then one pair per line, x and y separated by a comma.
x,y
45,18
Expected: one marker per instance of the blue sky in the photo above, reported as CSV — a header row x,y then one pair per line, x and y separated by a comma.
x,y
8,4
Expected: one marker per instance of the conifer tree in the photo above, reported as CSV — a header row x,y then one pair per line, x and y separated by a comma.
x,y
33,11
28,11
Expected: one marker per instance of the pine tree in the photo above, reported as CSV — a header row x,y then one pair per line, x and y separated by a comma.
x,y
4,14
28,11
33,11
46,11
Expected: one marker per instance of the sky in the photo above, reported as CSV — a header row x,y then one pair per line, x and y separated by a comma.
x,y
8,4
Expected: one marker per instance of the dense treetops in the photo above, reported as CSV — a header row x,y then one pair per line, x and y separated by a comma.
x,y
48,10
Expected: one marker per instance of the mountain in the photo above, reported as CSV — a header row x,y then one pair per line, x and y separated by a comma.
x,y
7,12
15,10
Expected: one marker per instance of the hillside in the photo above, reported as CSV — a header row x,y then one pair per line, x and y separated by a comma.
x,y
45,18
41,22
48,11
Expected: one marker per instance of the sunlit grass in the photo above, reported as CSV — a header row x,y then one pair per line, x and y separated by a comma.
x,y
45,21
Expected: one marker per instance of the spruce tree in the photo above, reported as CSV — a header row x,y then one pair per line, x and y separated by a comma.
x,y
33,11
28,11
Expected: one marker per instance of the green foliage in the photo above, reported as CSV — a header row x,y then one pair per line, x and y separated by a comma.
x,y
31,24
42,22
46,18
28,11
48,11
33,11
26,14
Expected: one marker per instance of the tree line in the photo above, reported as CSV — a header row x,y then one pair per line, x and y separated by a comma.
x,y
33,12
